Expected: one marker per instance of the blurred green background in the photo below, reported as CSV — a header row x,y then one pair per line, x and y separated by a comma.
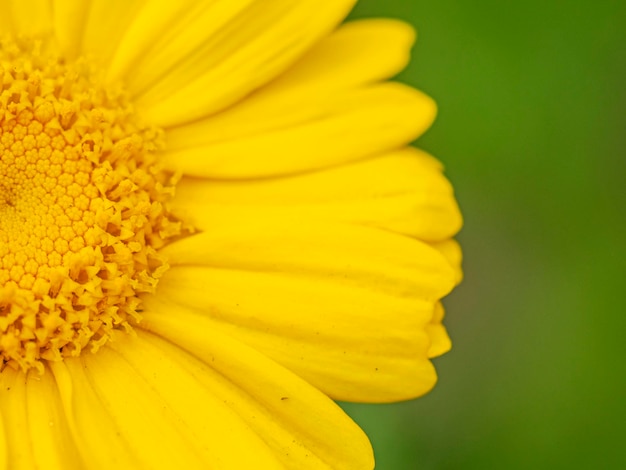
x,y
532,102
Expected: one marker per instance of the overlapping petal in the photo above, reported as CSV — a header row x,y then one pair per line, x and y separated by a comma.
x,y
357,54
216,52
36,432
93,27
33,17
321,133
148,403
232,407
5,18
344,307
14,416
439,340
323,111
403,191
152,414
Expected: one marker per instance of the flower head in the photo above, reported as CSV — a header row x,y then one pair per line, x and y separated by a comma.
x,y
210,226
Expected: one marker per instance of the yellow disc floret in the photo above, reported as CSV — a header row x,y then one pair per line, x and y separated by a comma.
x,y
82,208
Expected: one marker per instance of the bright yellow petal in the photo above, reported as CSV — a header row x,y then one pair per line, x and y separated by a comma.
x,y
69,18
13,410
105,22
4,444
304,428
349,255
99,440
352,344
403,191
344,307
451,250
53,446
185,388
439,340
6,25
32,17
133,427
214,58
163,424
356,124
357,53
163,33
38,436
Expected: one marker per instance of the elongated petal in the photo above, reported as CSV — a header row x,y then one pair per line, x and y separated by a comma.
x,y
99,440
13,410
359,53
303,428
160,430
223,53
33,17
347,255
204,420
439,340
403,191
6,25
451,250
69,18
105,22
344,307
353,125
38,436
4,444
53,446
350,343
163,33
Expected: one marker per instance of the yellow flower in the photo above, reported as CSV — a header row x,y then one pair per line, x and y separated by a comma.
x,y
211,225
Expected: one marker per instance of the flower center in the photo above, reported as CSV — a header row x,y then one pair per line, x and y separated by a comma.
x,y
83,208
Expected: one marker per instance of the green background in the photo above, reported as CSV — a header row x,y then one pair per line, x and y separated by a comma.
x,y
532,99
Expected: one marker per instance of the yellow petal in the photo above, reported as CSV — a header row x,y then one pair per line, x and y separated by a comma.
x,y
344,307
52,443
303,427
164,33
349,255
38,436
350,343
359,52
186,387
163,424
69,18
99,440
19,454
4,449
439,340
451,250
144,430
403,191
6,25
216,57
105,22
322,132
33,17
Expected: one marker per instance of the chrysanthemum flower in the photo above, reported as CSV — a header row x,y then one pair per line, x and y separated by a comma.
x,y
211,226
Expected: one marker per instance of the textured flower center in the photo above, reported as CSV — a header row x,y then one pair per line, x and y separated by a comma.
x,y
82,208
